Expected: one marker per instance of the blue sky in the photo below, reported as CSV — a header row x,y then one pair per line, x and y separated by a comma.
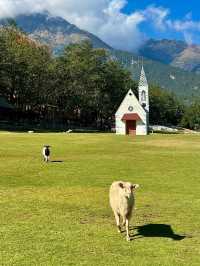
x,y
181,10
123,24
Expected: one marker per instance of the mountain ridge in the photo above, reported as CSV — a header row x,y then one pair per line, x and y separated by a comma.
x,y
56,32
53,31
172,52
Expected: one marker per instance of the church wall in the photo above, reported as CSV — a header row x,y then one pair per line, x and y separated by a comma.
x,y
141,100
131,104
120,126
130,101
141,128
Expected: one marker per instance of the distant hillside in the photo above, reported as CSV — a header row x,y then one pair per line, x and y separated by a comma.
x,y
175,53
56,32
182,83
188,59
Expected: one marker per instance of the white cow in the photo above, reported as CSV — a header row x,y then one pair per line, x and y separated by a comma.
x,y
122,203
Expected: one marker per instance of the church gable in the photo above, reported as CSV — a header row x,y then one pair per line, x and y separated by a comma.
x,y
130,104
132,116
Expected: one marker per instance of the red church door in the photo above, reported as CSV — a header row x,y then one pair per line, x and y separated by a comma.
x,y
131,127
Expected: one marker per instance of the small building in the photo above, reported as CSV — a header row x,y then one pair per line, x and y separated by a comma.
x,y
132,116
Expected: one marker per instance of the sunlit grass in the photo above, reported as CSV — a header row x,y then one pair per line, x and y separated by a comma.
x,y
58,213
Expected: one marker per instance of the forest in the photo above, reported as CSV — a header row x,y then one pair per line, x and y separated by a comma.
x,y
81,88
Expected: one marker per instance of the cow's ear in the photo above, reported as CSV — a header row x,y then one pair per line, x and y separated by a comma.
x,y
121,185
134,186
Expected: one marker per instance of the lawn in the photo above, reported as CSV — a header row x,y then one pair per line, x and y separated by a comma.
x,y
58,213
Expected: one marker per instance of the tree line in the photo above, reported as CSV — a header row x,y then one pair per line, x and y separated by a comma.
x,y
83,86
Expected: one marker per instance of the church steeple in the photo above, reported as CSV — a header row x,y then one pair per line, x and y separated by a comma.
x,y
143,90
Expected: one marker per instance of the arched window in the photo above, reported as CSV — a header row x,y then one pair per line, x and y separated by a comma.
x,y
143,96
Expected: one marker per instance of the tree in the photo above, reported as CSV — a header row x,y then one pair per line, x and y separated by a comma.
x,y
117,81
83,85
165,108
191,118
24,68
89,86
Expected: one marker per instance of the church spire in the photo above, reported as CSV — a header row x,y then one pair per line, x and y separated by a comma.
x,y
143,79
143,90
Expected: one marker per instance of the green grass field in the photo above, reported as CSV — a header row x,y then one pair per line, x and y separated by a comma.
x,y
58,213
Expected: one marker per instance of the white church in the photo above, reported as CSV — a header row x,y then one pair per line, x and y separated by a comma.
x,y
132,116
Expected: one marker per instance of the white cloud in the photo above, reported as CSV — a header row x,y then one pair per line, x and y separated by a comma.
x,y
101,17
105,18
190,29
157,16
185,25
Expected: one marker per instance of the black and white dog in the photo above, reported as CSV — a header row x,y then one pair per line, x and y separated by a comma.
x,y
46,153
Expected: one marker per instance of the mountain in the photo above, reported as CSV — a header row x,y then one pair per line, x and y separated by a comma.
x,y
160,57
183,83
188,59
174,53
56,32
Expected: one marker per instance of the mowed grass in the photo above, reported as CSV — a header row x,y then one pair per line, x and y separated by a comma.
x,y
58,213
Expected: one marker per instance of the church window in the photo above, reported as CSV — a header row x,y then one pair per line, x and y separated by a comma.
x,y
130,108
143,96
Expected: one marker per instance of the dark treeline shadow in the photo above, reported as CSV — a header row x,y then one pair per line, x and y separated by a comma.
x,y
156,230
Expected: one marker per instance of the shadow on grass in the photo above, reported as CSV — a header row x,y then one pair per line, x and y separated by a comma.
x,y
156,230
56,161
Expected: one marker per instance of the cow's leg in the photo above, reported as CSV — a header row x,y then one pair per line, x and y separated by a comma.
x,y
117,218
127,230
123,220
